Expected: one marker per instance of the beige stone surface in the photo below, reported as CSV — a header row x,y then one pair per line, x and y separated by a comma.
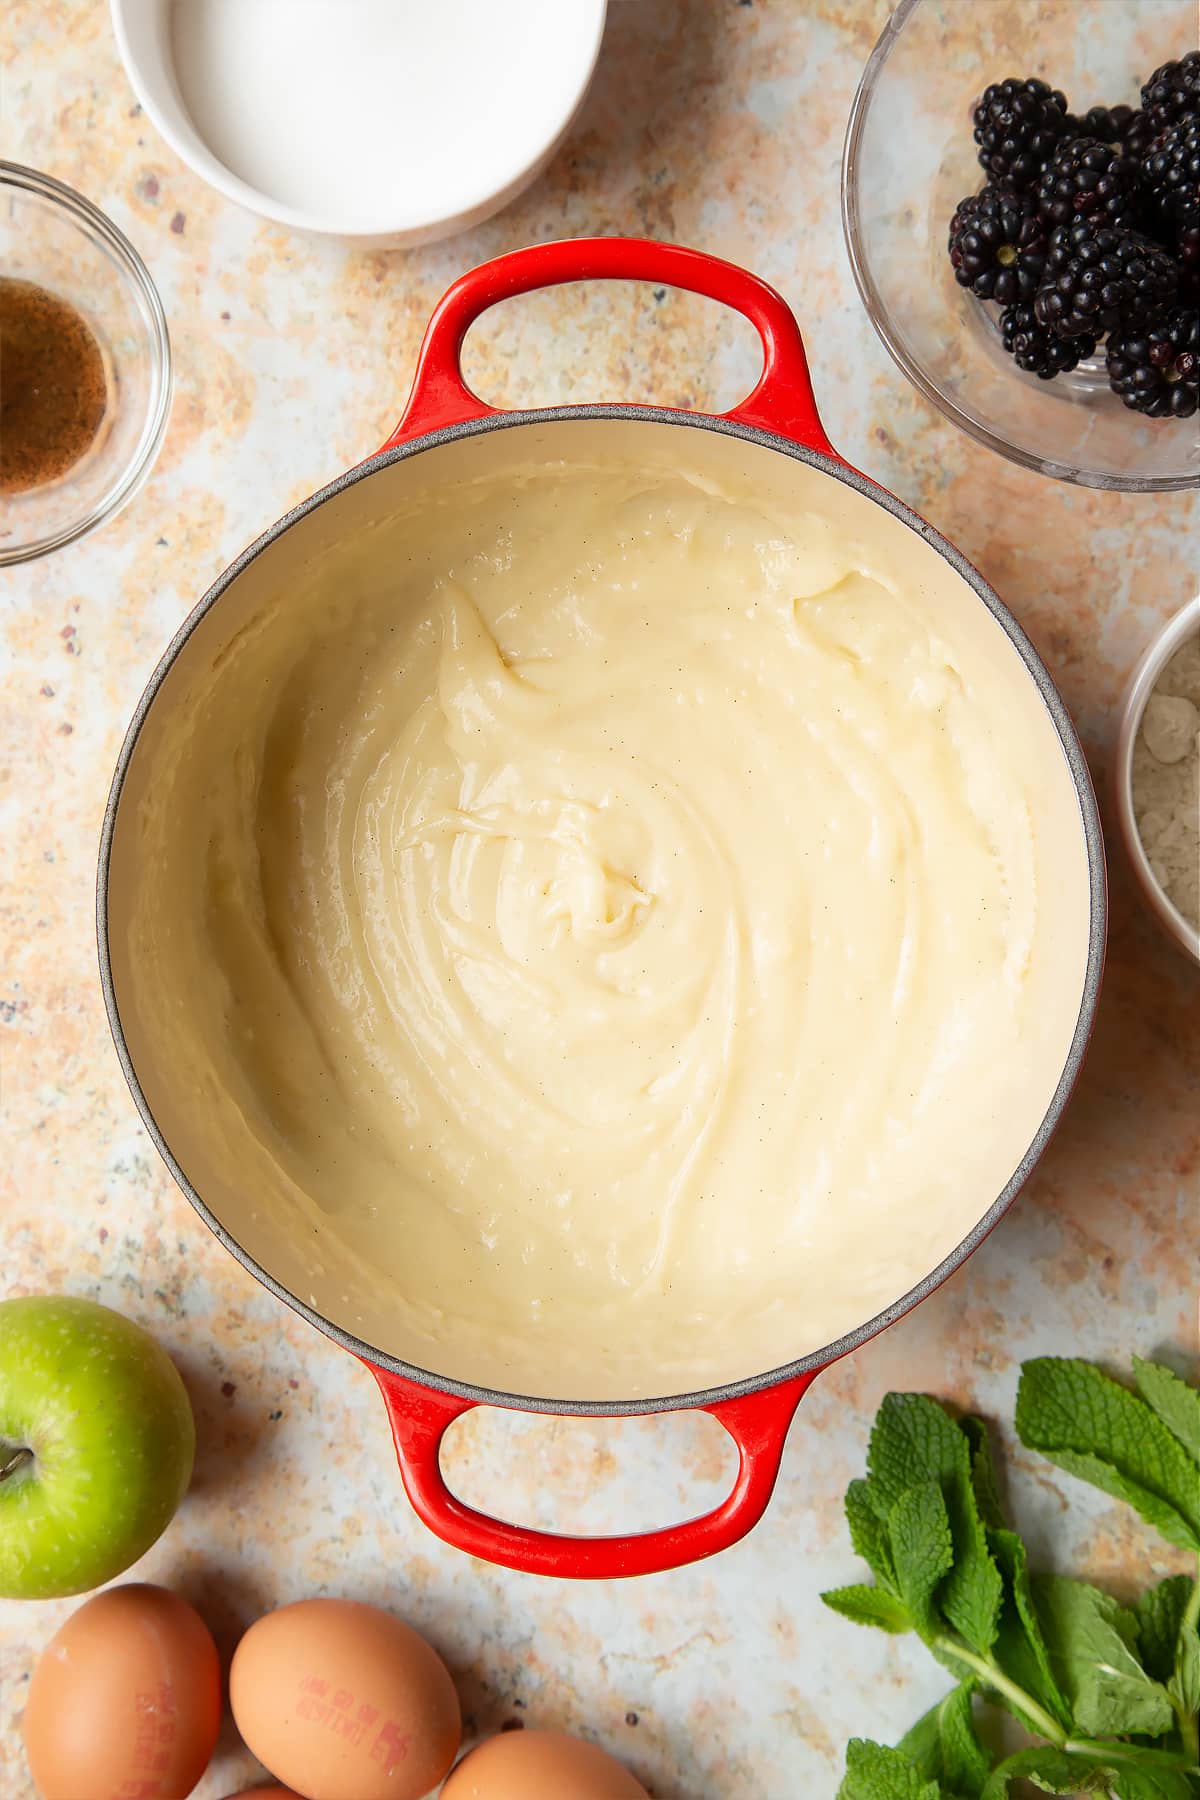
x,y
714,123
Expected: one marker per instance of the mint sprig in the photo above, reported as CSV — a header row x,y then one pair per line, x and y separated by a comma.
x,y
1111,1693
915,1442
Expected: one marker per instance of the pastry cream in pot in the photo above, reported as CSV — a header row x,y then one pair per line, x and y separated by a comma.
x,y
621,932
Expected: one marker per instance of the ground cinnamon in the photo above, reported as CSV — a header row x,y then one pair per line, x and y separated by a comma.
x,y
53,388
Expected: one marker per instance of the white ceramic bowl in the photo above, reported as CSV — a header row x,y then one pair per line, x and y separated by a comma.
x,y
368,120
1161,649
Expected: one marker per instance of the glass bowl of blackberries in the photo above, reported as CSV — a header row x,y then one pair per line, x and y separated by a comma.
x,y
1021,202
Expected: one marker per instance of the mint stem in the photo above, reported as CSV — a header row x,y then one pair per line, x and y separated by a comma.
x,y
1189,1724
1016,1696
1191,1612
1137,1755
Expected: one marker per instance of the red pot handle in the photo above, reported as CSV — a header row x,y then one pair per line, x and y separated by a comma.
x,y
782,400
757,1423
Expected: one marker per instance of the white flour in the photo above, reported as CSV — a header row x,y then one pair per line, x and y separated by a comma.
x,y
1166,780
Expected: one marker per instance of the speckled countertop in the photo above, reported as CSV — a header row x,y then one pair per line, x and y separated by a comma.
x,y
716,123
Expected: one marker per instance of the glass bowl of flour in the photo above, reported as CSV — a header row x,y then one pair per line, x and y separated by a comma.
x,y
1158,777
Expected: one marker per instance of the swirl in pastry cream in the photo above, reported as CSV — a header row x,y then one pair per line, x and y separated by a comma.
x,y
638,930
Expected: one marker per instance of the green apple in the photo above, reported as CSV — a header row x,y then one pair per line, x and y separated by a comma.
x,y
96,1445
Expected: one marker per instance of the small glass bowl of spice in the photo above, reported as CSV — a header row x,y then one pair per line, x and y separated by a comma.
x,y
85,366
1158,777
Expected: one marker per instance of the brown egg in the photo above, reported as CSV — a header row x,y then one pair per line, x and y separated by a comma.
x,y
520,1764
342,1701
126,1700
272,1791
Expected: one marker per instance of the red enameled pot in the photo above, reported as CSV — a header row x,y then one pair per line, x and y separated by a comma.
x,y
780,418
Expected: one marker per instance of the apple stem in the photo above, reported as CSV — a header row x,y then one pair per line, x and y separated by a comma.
x,y
19,1457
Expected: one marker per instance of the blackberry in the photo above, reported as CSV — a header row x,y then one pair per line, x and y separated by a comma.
x,y
1157,371
1099,277
1171,174
998,245
1017,124
1085,178
1038,351
1130,131
1189,266
1172,91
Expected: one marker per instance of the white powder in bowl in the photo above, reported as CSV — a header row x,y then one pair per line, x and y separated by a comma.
x,y
1166,780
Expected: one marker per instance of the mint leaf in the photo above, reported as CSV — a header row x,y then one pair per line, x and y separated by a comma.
x,y
914,1441
919,1529
1132,1771
974,1592
1093,1427
1089,1637
1020,1643
923,1744
944,1745
873,1772
1054,1771
1177,1404
1150,1783
1166,1519
983,1472
869,1606
868,1534
1159,1614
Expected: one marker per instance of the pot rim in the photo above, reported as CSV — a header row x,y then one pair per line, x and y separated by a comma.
x,y
1097,907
